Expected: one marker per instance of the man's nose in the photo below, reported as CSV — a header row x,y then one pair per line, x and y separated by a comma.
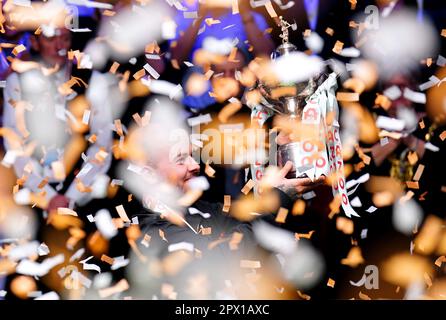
x,y
192,165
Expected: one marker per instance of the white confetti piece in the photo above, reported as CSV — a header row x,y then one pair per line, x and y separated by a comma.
x,y
206,118
371,209
417,97
90,266
43,249
105,224
391,124
24,251
441,61
433,80
32,268
86,116
364,233
309,195
77,255
151,71
48,296
393,92
119,262
356,202
193,211
175,92
181,246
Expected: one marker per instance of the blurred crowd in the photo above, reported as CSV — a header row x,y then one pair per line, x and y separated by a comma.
x,y
101,199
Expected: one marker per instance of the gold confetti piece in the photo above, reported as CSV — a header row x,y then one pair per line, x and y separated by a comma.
x,y
303,296
206,231
330,32
235,240
108,13
210,172
307,33
331,283
269,7
211,21
139,74
43,183
281,215
443,32
354,258
118,127
121,211
338,47
146,240
130,197
443,189
412,184
443,135
15,189
418,173
107,259
66,211
298,207
114,67
162,236
397,289
248,186
363,296
347,96
226,203
409,195
427,239
439,261
235,8
429,62
101,155
427,280
412,157
121,286
304,235
58,170
353,4
383,101
92,138
152,47
18,49
345,225
250,264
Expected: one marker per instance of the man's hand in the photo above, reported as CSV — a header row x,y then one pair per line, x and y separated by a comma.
x,y
297,186
58,201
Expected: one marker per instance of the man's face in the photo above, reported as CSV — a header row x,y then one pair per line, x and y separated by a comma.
x,y
53,50
179,168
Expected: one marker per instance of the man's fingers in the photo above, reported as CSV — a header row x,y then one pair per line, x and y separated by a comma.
x,y
286,168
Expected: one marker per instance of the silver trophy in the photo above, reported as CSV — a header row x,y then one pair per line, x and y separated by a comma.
x,y
290,105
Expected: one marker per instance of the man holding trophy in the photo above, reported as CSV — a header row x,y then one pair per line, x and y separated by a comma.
x,y
306,110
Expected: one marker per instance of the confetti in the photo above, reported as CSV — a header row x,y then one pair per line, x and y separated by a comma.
x,y
250,264
66,211
18,49
248,187
330,283
226,203
298,207
418,173
281,215
439,261
121,212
